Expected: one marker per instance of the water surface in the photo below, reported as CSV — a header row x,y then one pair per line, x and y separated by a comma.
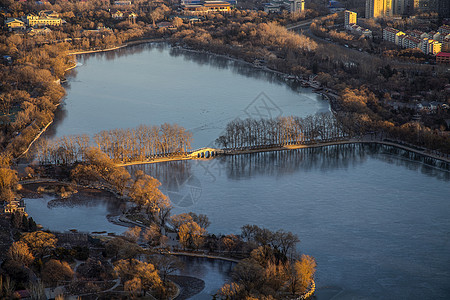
x,y
376,220
154,84
213,272
85,215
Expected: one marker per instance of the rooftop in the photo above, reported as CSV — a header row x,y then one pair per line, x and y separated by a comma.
x,y
216,3
390,29
417,32
413,39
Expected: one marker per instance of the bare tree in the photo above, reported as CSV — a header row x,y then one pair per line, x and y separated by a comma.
x,y
166,265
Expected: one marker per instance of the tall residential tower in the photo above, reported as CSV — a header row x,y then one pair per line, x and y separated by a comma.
x,y
378,8
350,17
403,7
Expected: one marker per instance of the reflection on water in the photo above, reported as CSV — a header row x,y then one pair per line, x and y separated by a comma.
x,y
86,213
282,163
236,66
429,166
375,217
179,171
112,205
200,58
285,163
213,272
153,84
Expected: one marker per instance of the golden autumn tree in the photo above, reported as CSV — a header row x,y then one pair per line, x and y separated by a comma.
x,y
306,268
230,242
230,290
55,270
301,274
132,269
20,253
146,194
153,236
133,286
8,179
183,218
180,219
191,235
177,22
99,167
39,242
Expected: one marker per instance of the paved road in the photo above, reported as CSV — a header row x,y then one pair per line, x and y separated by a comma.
x,y
301,25
351,52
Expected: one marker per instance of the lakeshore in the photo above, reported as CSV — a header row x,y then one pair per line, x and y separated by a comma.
x,y
127,44
58,81
329,94
49,123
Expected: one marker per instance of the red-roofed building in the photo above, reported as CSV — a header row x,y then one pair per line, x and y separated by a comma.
x,y
443,58
418,34
411,42
391,34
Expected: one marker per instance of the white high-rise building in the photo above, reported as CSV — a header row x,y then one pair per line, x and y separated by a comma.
x,y
297,5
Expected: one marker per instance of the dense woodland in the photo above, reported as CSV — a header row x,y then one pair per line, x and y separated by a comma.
x,y
29,93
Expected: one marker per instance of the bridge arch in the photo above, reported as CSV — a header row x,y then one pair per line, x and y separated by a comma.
x,y
206,153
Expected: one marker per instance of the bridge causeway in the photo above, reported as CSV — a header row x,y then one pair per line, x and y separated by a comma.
x,y
206,152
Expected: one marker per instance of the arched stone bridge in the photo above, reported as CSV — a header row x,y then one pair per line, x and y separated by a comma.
x,y
206,153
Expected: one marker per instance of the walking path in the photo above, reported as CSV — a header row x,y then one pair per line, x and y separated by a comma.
x,y
424,152
157,160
